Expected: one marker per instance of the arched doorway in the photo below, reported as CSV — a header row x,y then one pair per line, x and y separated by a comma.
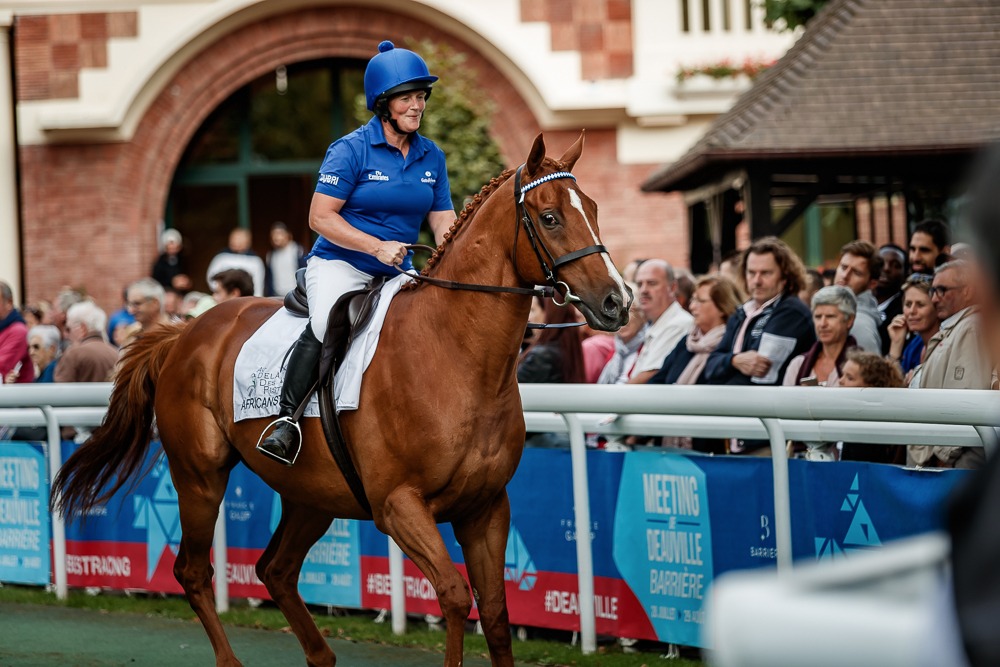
x,y
254,160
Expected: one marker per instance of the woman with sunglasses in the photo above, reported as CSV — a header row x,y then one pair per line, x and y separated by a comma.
x,y
909,332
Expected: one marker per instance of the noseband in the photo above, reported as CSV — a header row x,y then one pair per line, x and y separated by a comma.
x,y
551,273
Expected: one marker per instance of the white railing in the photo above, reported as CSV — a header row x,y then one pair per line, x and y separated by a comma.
x,y
888,416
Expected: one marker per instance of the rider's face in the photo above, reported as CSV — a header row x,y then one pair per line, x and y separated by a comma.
x,y
408,108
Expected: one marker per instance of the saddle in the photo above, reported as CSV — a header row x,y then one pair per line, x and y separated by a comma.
x,y
351,314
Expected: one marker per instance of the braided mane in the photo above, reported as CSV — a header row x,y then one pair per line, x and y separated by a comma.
x,y
467,213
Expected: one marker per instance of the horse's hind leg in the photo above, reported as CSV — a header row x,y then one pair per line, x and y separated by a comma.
x,y
484,544
407,519
279,568
199,494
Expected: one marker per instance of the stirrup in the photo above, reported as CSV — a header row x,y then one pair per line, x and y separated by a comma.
x,y
272,455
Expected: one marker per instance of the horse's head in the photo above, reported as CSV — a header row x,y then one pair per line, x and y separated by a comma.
x,y
559,242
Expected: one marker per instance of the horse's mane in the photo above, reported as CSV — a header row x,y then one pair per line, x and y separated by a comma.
x,y
474,204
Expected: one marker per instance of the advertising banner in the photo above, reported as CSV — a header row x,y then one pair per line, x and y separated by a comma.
x,y
131,540
24,515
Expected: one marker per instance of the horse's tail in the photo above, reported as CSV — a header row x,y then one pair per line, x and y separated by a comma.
x,y
117,448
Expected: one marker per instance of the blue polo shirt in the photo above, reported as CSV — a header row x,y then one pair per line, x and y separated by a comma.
x,y
385,195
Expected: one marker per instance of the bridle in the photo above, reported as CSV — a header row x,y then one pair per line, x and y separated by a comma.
x,y
548,263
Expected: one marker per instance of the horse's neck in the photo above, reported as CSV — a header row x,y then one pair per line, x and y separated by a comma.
x,y
487,325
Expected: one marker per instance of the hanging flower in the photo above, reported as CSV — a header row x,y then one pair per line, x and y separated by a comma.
x,y
725,69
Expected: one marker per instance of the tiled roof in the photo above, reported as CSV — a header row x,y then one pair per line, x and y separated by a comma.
x,y
868,77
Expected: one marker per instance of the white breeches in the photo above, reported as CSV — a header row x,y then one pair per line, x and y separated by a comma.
x,y
326,281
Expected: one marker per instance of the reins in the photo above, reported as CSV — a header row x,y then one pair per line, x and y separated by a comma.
x,y
537,245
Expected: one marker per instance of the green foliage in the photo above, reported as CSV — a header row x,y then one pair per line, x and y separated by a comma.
x,y
790,14
457,119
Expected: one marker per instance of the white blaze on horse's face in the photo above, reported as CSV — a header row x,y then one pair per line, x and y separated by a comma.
x,y
577,203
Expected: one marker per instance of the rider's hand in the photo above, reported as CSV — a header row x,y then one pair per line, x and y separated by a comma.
x,y
390,252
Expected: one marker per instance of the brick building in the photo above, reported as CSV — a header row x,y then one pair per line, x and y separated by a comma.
x,y
111,119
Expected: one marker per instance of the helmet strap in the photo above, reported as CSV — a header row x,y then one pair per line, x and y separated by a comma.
x,y
382,111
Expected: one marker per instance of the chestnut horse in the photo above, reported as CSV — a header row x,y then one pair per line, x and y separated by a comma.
x,y
438,433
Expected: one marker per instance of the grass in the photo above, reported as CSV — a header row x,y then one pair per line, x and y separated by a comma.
x,y
353,626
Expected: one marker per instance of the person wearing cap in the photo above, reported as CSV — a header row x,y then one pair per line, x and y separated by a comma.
x,y
375,188
170,268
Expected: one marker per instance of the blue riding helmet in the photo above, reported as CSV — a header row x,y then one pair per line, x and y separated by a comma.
x,y
392,71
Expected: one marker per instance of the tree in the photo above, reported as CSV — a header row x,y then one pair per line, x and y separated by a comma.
x,y
790,14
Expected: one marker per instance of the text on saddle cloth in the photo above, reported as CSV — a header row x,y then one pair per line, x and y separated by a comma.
x,y
258,374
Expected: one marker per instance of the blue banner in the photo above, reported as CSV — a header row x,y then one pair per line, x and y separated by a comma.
x,y
24,516
663,541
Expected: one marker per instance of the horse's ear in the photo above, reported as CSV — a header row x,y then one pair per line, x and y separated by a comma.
x,y
535,157
570,157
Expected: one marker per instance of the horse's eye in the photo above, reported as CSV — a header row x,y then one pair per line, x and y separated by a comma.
x,y
548,219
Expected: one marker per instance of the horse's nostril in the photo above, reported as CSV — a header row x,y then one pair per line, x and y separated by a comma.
x,y
612,304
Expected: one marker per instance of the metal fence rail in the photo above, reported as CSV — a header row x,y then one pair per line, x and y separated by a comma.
x,y
887,416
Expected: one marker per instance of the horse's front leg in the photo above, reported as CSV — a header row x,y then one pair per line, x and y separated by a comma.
x,y
406,518
484,543
279,567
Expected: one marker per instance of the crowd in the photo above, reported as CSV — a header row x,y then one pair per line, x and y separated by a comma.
x,y
883,317
71,339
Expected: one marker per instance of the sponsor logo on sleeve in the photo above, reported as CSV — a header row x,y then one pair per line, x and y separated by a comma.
x,y
329,179
428,178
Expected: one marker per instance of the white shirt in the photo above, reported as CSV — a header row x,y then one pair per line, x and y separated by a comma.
x,y
662,337
284,262
252,264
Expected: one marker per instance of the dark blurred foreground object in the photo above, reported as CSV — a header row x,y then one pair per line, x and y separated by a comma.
x,y
974,513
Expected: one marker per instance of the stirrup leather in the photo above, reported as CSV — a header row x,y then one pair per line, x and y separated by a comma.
x,y
272,455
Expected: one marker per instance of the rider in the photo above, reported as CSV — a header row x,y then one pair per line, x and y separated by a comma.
x,y
375,187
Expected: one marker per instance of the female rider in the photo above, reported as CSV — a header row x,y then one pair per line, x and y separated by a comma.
x,y
376,186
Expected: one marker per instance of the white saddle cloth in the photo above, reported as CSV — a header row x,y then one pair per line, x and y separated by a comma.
x,y
259,371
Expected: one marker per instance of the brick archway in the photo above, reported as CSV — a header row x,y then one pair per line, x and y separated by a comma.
x,y
119,191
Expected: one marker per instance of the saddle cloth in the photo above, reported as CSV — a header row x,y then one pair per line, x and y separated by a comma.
x,y
259,371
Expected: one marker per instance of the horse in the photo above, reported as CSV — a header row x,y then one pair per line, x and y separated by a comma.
x,y
439,428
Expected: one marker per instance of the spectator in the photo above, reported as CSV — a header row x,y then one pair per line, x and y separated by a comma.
x,y
955,358
715,299
172,300
171,268
36,313
14,353
555,354
191,300
859,270
668,322
66,298
239,255
919,320
834,309
730,266
866,369
231,284
814,283
119,320
766,332
930,239
685,284
90,358
285,258
890,282
43,346
628,273
145,303
628,340
598,348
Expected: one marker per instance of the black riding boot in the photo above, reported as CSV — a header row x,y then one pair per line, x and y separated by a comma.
x,y
300,376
